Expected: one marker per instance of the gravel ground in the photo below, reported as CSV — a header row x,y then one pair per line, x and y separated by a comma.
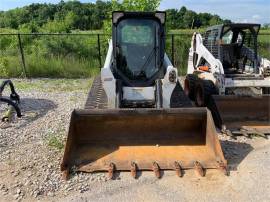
x,y
31,149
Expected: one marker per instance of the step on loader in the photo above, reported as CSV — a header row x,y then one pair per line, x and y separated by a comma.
x,y
137,116
226,74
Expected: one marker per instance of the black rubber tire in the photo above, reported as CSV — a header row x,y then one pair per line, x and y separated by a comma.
x,y
266,90
189,86
203,91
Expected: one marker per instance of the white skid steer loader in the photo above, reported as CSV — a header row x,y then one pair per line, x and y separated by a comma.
x,y
129,122
226,74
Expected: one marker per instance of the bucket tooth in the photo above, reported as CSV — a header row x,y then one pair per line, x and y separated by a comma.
x,y
223,168
199,169
156,169
178,169
65,174
133,170
111,170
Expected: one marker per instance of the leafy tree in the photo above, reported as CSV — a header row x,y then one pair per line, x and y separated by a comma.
x,y
173,18
215,20
129,5
182,11
56,26
74,15
140,5
188,19
31,27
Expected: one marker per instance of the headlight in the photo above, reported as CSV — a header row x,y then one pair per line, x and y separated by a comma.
x,y
172,76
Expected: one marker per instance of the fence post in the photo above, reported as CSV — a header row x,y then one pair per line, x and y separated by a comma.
x,y
22,55
99,52
172,38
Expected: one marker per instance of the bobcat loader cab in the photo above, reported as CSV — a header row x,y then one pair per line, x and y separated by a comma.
x,y
136,65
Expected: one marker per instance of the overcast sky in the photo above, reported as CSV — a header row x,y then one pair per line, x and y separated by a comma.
x,y
237,10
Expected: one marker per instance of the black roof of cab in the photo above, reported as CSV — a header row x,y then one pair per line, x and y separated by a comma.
x,y
119,15
252,26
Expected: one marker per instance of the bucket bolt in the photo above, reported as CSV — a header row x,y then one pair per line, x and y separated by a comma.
x,y
199,169
133,170
178,169
111,171
155,168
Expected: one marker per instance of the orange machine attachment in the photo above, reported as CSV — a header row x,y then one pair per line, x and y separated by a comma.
x,y
142,139
245,114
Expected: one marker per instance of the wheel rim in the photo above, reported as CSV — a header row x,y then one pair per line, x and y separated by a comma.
x,y
199,97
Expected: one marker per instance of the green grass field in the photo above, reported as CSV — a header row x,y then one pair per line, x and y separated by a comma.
x,y
77,56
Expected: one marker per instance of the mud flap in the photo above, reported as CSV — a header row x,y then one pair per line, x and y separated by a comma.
x,y
236,112
106,140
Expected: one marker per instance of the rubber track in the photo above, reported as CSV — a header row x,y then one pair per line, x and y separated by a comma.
x,y
97,98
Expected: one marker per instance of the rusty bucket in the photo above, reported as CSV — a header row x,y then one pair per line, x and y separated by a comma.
x,y
236,112
142,139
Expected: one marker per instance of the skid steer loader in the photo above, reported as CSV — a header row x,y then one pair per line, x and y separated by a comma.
x,y
226,74
129,122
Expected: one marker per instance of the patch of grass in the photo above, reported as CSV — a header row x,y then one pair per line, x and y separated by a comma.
x,y
55,141
59,67
264,45
264,38
265,31
181,49
12,67
74,99
52,56
77,56
52,85
51,67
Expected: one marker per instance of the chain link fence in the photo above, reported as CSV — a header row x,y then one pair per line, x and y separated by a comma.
x,y
79,55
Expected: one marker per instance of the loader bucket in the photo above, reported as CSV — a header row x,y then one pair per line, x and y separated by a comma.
x,y
99,138
235,112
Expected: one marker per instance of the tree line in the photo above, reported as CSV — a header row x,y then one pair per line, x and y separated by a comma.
x,y
74,15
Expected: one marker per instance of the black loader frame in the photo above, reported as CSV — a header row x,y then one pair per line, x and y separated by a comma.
x,y
13,100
